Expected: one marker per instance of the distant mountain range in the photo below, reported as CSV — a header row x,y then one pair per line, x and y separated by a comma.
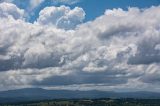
x,y
34,94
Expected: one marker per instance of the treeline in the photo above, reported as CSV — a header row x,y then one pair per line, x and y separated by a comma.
x,y
91,102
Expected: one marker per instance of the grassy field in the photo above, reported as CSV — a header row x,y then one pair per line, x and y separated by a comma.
x,y
91,102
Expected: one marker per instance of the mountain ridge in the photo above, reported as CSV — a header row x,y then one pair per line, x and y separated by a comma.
x,y
32,94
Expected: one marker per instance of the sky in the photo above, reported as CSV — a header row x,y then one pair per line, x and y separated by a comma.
x,y
106,45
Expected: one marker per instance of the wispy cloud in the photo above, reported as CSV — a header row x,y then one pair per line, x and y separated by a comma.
x,y
70,2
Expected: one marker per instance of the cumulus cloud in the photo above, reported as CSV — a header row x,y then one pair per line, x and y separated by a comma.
x,y
114,51
10,10
61,17
31,6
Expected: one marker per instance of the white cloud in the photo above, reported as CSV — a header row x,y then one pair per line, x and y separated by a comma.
x,y
61,17
114,51
31,6
10,10
29,3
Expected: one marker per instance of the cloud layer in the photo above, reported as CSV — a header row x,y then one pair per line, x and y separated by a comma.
x,y
119,50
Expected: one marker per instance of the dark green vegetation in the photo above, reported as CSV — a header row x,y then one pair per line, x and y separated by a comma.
x,y
91,102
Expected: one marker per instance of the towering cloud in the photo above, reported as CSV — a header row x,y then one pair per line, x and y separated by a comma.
x,y
112,52
61,17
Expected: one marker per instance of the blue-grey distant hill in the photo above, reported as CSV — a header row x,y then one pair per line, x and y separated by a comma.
x,y
33,94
